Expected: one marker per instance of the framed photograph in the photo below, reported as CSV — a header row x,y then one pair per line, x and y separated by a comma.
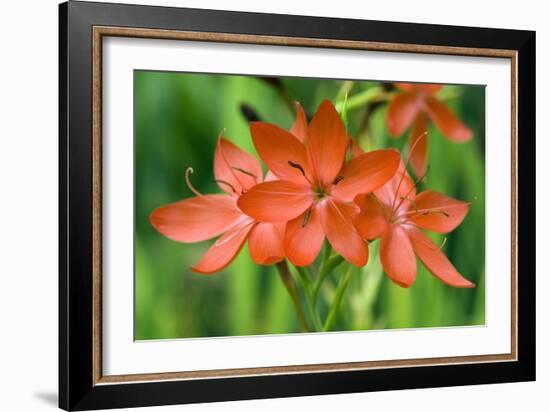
x,y
257,205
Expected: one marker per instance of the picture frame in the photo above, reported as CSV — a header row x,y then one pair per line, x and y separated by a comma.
x,y
83,26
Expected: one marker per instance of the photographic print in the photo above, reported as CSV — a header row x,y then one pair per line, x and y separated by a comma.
x,y
276,205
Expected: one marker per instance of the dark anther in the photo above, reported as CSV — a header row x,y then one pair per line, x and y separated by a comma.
x,y
249,113
297,166
223,182
306,217
238,169
338,179
427,212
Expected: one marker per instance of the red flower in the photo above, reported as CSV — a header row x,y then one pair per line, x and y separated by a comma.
x,y
316,187
396,213
413,105
206,216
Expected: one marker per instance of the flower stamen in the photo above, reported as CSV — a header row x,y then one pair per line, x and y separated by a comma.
x,y
238,169
432,245
306,217
413,202
413,147
231,168
297,166
223,182
406,197
337,180
427,211
188,172
300,168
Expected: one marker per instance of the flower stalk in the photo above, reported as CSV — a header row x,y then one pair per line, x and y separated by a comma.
x,y
335,307
308,293
327,266
290,285
359,100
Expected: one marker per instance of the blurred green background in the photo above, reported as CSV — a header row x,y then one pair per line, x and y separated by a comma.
x,y
178,118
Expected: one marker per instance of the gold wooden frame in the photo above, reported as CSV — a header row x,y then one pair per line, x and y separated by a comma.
x,y
100,31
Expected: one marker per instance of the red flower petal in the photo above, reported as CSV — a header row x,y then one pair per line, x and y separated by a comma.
x,y
337,221
419,87
437,212
234,168
435,261
327,143
299,129
277,148
371,221
446,121
304,237
197,219
276,201
402,110
418,145
406,87
397,256
224,250
365,173
265,243
428,88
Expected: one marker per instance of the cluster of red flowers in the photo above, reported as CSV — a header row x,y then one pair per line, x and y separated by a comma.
x,y
320,184
413,106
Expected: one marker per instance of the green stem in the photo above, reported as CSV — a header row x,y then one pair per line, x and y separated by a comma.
x,y
290,286
308,292
368,291
335,307
327,251
360,99
346,87
322,272
328,265
304,277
